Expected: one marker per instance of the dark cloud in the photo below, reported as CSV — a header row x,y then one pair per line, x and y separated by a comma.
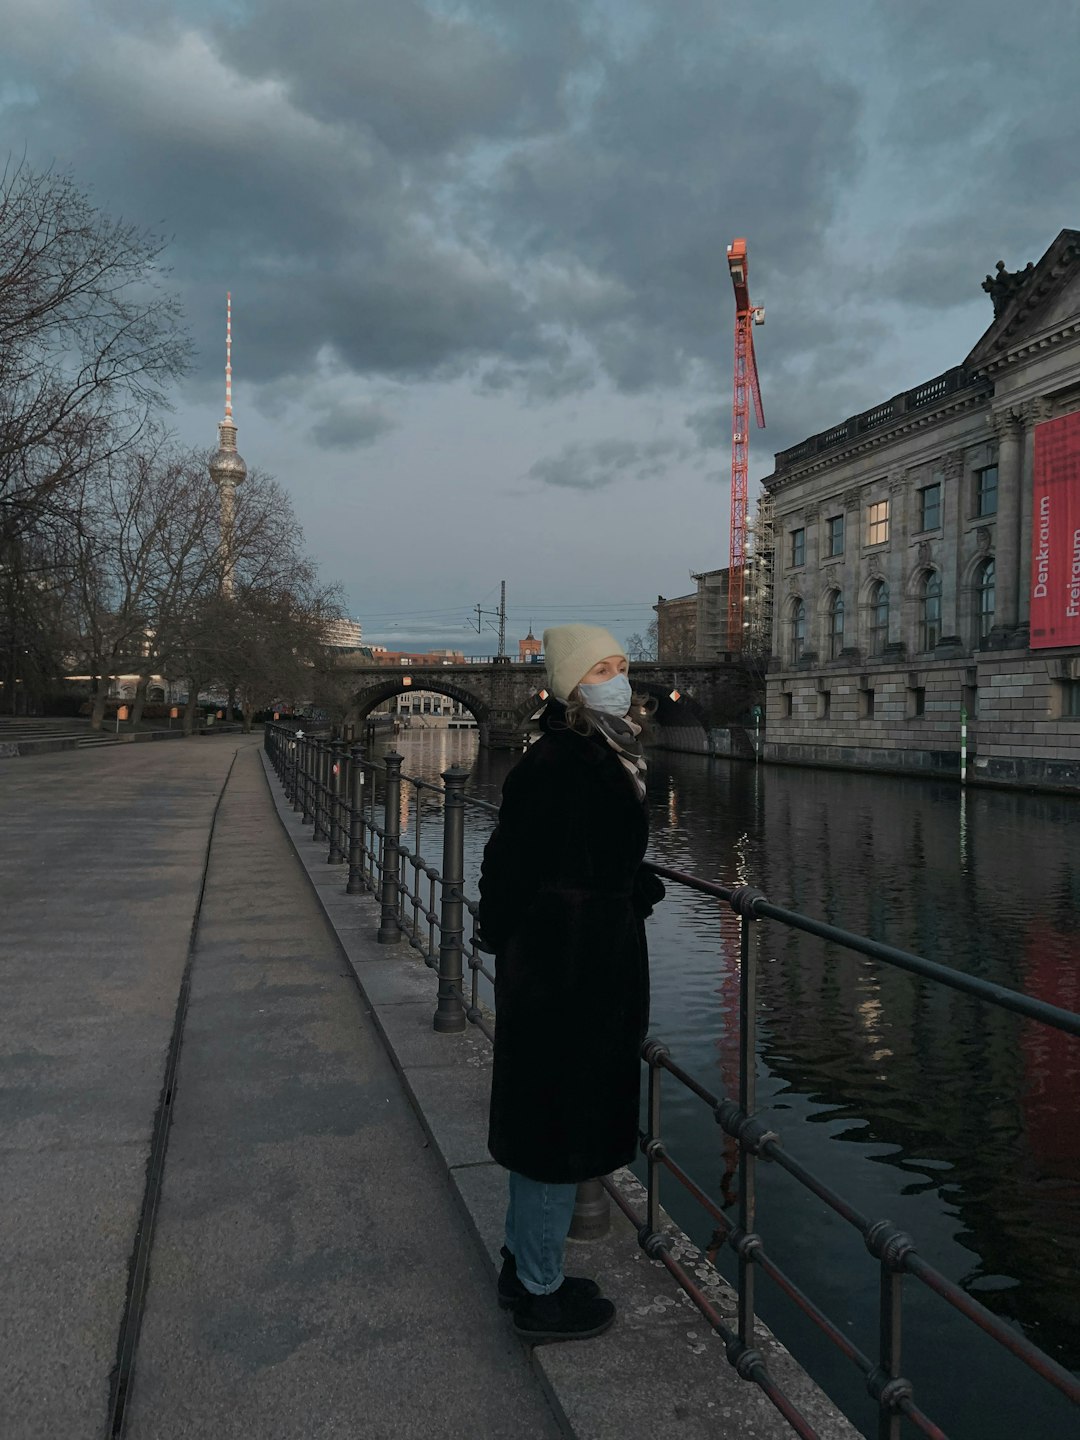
x,y
538,196
350,424
592,465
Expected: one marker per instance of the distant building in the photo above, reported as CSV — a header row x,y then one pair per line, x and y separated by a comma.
x,y
428,709
676,627
343,635
695,625
927,559
529,649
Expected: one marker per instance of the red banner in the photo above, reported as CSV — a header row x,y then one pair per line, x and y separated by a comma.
x,y
1055,534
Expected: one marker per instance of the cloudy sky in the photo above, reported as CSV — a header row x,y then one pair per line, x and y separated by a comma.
x,y
481,310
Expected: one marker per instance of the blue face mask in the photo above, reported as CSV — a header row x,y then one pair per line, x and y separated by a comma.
x,y
610,697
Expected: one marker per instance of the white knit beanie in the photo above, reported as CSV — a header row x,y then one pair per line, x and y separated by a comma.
x,y
570,652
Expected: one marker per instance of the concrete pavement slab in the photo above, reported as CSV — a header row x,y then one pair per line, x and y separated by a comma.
x,y
311,1274
101,858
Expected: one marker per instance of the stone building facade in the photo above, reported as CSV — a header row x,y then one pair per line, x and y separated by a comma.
x,y
903,563
676,627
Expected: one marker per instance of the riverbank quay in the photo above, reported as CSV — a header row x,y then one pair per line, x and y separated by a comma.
x,y
661,1368
307,1272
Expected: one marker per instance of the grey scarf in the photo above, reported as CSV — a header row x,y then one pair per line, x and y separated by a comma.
x,y
622,736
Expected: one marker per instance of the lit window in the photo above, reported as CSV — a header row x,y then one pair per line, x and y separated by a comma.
x,y
879,618
834,535
836,624
985,589
986,488
877,523
930,607
930,507
798,547
798,631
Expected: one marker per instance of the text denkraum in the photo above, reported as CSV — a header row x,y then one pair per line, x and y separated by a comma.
x,y
1072,585
1042,555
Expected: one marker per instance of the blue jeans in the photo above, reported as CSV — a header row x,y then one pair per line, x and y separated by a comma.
x,y
537,1224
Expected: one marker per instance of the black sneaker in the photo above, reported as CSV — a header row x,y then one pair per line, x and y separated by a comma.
x,y
512,1291
561,1316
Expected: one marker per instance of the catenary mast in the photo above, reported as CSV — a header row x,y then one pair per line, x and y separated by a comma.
x,y
227,469
745,385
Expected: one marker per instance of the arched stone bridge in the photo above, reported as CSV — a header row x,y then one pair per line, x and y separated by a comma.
x,y
504,696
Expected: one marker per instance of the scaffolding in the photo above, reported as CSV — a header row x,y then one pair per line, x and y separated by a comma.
x,y
758,603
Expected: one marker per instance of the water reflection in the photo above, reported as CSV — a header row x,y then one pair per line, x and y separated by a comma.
x,y
958,1122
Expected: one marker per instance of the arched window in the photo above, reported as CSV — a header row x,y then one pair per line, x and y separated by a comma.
x,y
984,589
798,630
836,624
930,610
879,617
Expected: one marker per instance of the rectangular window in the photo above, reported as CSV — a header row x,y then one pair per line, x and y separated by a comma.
x,y
866,704
824,704
834,535
798,547
877,523
930,507
785,706
986,487
1070,699
916,701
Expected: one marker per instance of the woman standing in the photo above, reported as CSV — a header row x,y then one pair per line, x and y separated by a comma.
x,y
562,901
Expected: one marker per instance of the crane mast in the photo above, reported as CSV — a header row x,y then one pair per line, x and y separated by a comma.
x,y
745,387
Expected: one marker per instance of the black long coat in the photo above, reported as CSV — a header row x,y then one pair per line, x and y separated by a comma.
x,y
562,901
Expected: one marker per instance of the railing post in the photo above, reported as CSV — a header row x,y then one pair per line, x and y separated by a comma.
x,y
450,1012
389,929
298,772
356,821
654,1144
336,855
747,1104
890,1419
306,788
322,788
592,1212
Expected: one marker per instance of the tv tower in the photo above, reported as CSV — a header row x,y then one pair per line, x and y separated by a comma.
x,y
227,468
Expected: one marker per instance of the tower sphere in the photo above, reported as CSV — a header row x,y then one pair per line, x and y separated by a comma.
x,y
227,466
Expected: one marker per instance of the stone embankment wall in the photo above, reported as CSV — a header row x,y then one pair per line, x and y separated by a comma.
x,y
907,718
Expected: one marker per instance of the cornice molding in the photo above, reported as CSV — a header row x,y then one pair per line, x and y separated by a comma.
x,y
879,439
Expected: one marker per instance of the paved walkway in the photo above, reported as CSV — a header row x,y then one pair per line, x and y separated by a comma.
x,y
310,1275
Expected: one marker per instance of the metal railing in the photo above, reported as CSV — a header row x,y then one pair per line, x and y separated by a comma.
x,y
430,913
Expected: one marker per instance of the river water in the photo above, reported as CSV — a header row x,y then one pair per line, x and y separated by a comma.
x,y
958,1122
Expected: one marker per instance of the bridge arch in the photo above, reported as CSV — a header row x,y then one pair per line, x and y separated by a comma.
x,y
368,697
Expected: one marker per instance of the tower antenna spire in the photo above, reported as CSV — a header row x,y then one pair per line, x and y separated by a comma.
x,y
228,355
227,468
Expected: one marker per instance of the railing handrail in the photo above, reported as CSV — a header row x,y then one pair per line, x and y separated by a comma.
x,y
377,854
763,909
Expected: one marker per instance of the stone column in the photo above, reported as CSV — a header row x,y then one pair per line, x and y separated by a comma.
x,y
851,580
1008,427
810,584
896,562
1035,411
954,617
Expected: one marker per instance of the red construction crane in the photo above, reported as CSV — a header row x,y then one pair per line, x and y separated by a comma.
x,y
745,385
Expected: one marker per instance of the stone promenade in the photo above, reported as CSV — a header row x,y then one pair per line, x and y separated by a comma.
x,y
310,1275
327,1228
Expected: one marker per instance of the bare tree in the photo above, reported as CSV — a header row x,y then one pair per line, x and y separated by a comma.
x,y
89,339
